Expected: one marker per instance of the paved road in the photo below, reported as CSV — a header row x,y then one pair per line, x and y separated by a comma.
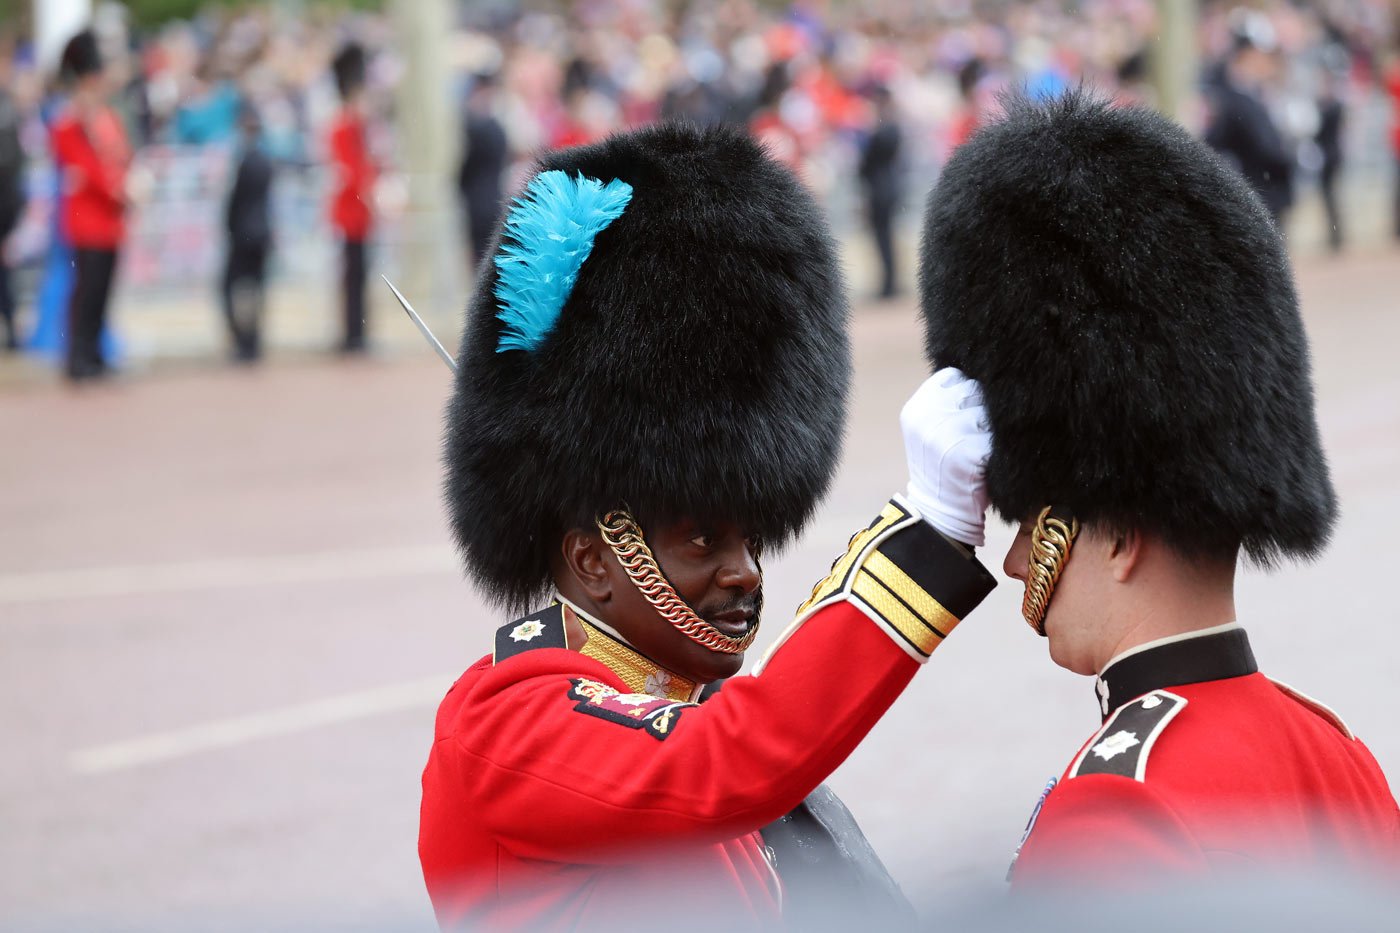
x,y
228,605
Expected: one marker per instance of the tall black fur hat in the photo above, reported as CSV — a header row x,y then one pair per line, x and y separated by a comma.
x,y
1127,304
697,367
81,56
348,66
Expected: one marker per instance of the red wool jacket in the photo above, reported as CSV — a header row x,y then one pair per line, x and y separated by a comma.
x,y
354,174
1214,767
570,787
92,161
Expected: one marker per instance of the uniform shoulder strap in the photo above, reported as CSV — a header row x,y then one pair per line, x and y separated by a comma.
x,y
1321,709
544,629
1121,747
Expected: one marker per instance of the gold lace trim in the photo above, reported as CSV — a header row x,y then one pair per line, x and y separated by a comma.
x,y
638,672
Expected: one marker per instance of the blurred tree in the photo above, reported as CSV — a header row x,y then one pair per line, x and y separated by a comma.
x,y
155,12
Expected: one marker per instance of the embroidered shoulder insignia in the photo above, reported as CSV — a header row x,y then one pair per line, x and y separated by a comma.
x,y
1121,747
656,716
1030,825
544,629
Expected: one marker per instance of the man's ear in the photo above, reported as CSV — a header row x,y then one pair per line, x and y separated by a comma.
x,y
1125,553
583,553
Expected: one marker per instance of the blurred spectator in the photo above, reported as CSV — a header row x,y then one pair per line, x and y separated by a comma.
x,y
12,191
567,73
1134,86
1330,118
484,162
1241,127
92,154
209,112
1392,84
355,174
249,241
880,175
767,123
966,118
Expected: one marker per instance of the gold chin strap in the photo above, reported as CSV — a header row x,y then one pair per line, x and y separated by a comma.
x,y
1050,544
622,533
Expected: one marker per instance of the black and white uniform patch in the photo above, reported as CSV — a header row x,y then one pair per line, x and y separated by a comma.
x,y
1121,747
544,629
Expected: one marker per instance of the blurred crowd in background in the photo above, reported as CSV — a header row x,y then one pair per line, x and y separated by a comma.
x,y
244,144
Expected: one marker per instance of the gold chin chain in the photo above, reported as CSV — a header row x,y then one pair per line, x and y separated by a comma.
x,y
1050,544
622,533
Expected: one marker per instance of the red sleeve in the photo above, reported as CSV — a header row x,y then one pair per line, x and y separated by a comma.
x,y
80,162
1110,829
555,778
559,781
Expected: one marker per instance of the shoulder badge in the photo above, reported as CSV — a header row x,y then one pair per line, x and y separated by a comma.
x,y
1121,747
656,716
1030,825
544,629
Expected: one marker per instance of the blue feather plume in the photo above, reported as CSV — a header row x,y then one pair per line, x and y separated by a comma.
x,y
549,233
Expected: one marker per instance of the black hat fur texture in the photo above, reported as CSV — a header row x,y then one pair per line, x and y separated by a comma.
x,y
698,366
1127,304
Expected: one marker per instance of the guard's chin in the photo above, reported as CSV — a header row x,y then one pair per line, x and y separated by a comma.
x,y
719,666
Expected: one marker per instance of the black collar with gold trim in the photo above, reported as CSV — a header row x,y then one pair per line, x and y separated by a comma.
x,y
549,628
1210,654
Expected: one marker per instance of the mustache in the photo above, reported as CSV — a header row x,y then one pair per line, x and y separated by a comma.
x,y
742,602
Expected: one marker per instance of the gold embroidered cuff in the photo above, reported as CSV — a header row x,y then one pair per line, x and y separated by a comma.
x,y
909,579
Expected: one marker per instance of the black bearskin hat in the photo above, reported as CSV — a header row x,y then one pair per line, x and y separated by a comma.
x,y
697,366
81,56
1127,304
348,66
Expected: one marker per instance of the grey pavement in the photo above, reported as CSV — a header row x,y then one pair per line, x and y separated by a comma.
x,y
228,604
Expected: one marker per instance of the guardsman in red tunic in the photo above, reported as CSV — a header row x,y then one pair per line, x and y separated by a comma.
x,y
92,155
352,198
1126,305
652,391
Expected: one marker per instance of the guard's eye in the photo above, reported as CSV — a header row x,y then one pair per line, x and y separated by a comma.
x,y
703,541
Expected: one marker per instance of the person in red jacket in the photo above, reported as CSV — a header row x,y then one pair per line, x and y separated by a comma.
x,y
351,209
92,154
628,432
1135,332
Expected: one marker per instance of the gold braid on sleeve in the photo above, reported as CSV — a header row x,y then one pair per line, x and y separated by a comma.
x,y
624,536
1050,544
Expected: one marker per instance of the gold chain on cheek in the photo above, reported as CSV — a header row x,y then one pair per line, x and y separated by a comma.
x,y
1050,544
622,533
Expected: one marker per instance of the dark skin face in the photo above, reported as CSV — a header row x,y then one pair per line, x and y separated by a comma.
x,y
714,569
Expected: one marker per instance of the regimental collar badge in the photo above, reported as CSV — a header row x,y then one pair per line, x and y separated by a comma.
x,y
525,631
544,629
1122,746
549,628
1116,744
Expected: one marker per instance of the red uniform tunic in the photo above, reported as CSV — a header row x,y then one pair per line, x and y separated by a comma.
x,y
355,173
93,159
1204,764
558,794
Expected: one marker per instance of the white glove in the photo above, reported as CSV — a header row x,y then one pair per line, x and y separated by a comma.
x,y
946,443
